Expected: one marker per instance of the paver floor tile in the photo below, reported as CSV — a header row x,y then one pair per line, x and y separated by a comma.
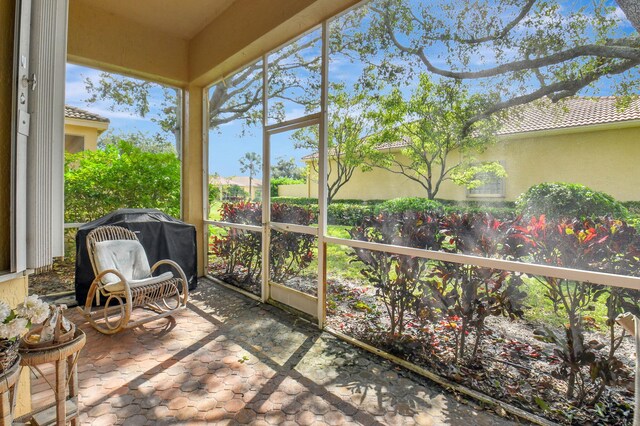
x,y
229,360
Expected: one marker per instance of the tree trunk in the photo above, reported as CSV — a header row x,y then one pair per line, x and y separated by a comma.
x,y
631,8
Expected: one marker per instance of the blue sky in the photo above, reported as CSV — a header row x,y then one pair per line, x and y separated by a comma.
x,y
121,120
231,141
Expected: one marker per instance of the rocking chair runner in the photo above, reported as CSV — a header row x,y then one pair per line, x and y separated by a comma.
x,y
125,280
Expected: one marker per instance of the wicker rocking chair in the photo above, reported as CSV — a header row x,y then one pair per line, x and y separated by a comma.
x,y
125,281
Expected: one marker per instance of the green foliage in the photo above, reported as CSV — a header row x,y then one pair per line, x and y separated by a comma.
x,y
276,182
251,163
156,143
240,250
632,206
348,214
137,96
348,149
120,176
519,50
601,244
303,201
406,204
296,201
215,193
431,124
467,293
354,212
234,192
398,279
287,169
568,200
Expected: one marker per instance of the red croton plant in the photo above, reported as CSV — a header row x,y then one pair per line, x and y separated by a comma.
x,y
600,244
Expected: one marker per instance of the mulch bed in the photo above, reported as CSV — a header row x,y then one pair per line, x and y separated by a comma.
x,y
58,279
513,366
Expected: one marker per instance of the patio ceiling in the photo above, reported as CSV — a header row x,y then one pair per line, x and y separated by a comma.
x,y
180,42
179,18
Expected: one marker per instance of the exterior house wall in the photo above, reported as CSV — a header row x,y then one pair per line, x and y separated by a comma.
x,y
89,136
603,158
13,289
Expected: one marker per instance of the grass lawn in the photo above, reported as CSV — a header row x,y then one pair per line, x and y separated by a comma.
x,y
540,307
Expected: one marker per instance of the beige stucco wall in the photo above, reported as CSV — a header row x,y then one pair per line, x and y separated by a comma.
x,y
228,43
603,158
12,290
193,179
102,40
90,135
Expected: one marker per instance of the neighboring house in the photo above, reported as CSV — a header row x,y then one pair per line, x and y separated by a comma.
x,y
81,129
583,140
242,182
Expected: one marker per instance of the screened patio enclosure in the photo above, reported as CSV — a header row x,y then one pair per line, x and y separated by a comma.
x,y
450,281
424,279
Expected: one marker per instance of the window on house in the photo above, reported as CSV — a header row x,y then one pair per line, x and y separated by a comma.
x,y
493,186
73,143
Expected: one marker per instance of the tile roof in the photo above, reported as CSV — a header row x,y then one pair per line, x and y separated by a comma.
x,y
572,112
81,114
242,181
545,115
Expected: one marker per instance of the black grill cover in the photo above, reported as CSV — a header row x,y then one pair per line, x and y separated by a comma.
x,y
162,237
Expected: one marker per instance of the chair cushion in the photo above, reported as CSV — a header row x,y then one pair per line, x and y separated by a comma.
x,y
119,286
125,256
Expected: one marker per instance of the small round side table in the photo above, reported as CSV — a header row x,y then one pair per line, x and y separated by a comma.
x,y
65,356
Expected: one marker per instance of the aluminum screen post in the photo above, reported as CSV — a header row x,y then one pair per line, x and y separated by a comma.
x,y
631,324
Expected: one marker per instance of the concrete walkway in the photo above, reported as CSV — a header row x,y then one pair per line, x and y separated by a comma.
x,y
229,360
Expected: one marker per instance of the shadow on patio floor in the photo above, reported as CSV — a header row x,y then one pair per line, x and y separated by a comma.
x,y
229,360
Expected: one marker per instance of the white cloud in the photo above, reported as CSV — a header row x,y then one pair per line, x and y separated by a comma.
x,y
106,112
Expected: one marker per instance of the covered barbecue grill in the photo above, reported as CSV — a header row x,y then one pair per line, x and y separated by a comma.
x,y
162,237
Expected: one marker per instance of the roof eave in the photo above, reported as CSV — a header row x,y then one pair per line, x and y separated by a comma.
x,y
99,125
574,129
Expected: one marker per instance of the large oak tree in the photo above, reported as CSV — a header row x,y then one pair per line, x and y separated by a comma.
x,y
523,50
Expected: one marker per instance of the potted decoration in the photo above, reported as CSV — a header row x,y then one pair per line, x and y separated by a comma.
x,y
14,323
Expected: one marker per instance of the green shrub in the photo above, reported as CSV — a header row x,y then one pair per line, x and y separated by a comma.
x,y
414,204
632,206
241,251
302,201
342,212
348,214
120,176
502,213
568,200
296,201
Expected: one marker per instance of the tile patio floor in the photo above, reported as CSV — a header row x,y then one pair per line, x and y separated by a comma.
x,y
229,360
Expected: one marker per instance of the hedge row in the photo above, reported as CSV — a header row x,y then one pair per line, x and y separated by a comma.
x,y
353,212
552,199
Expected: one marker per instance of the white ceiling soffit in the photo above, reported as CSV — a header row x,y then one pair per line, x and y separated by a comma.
x,y
180,18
